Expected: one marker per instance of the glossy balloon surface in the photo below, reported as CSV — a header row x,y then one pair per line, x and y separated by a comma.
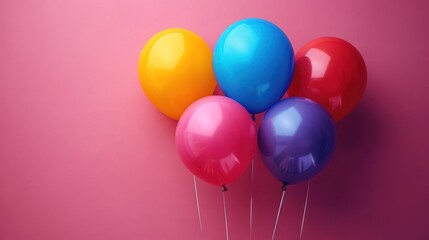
x,y
253,61
175,70
216,139
331,72
296,139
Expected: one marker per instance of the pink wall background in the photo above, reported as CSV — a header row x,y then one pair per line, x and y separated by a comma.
x,y
84,155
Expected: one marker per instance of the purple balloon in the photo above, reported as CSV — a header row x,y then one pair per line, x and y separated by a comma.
x,y
296,139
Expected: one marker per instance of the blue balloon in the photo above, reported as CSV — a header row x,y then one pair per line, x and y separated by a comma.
x,y
253,61
296,139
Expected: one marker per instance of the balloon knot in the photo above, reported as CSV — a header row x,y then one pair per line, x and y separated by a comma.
x,y
284,187
224,189
253,117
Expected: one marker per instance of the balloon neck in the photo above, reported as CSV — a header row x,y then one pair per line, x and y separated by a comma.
x,y
284,186
253,117
224,189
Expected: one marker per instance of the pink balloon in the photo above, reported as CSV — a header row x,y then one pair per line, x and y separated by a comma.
x,y
216,139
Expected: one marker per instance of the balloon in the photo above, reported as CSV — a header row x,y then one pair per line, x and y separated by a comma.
x,y
216,139
331,72
175,70
296,139
253,62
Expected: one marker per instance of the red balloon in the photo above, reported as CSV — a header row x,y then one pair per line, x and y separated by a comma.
x,y
331,72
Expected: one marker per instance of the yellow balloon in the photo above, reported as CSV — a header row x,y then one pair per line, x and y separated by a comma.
x,y
175,70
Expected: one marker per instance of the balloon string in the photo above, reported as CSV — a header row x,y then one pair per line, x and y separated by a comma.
x,y
224,189
251,188
278,212
305,210
198,203
251,197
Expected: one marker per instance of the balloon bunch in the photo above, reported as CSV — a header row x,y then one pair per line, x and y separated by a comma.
x,y
254,65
